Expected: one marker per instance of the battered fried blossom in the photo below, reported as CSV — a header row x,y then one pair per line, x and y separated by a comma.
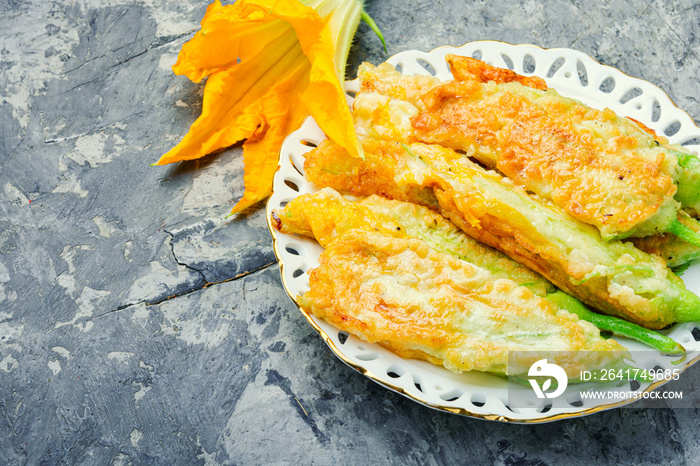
x,y
423,304
327,216
604,169
611,276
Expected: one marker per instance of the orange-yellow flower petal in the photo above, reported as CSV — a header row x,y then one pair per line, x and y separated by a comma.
x,y
269,62
229,35
324,98
283,114
232,102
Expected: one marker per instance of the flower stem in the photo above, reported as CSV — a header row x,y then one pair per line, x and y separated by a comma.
x,y
373,26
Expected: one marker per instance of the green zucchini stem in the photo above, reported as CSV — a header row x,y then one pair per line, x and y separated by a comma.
x,y
619,326
684,233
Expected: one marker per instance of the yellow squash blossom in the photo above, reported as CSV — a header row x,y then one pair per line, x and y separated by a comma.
x,y
269,63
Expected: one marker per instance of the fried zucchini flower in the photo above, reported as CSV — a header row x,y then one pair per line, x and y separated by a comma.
x,y
613,277
604,169
326,215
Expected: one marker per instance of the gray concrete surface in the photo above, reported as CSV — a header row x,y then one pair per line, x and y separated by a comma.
x,y
137,326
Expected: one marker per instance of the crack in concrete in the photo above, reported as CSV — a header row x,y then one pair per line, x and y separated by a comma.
x,y
208,284
177,295
12,152
183,264
128,59
155,44
91,81
117,309
94,130
165,40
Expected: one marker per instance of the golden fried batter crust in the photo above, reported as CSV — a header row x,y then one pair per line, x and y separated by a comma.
x,y
465,196
419,303
326,215
470,69
327,165
601,168
538,145
384,80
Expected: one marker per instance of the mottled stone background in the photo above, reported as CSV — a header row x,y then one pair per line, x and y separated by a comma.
x,y
138,326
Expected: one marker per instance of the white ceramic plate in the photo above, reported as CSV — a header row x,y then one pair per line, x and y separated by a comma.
x,y
572,74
